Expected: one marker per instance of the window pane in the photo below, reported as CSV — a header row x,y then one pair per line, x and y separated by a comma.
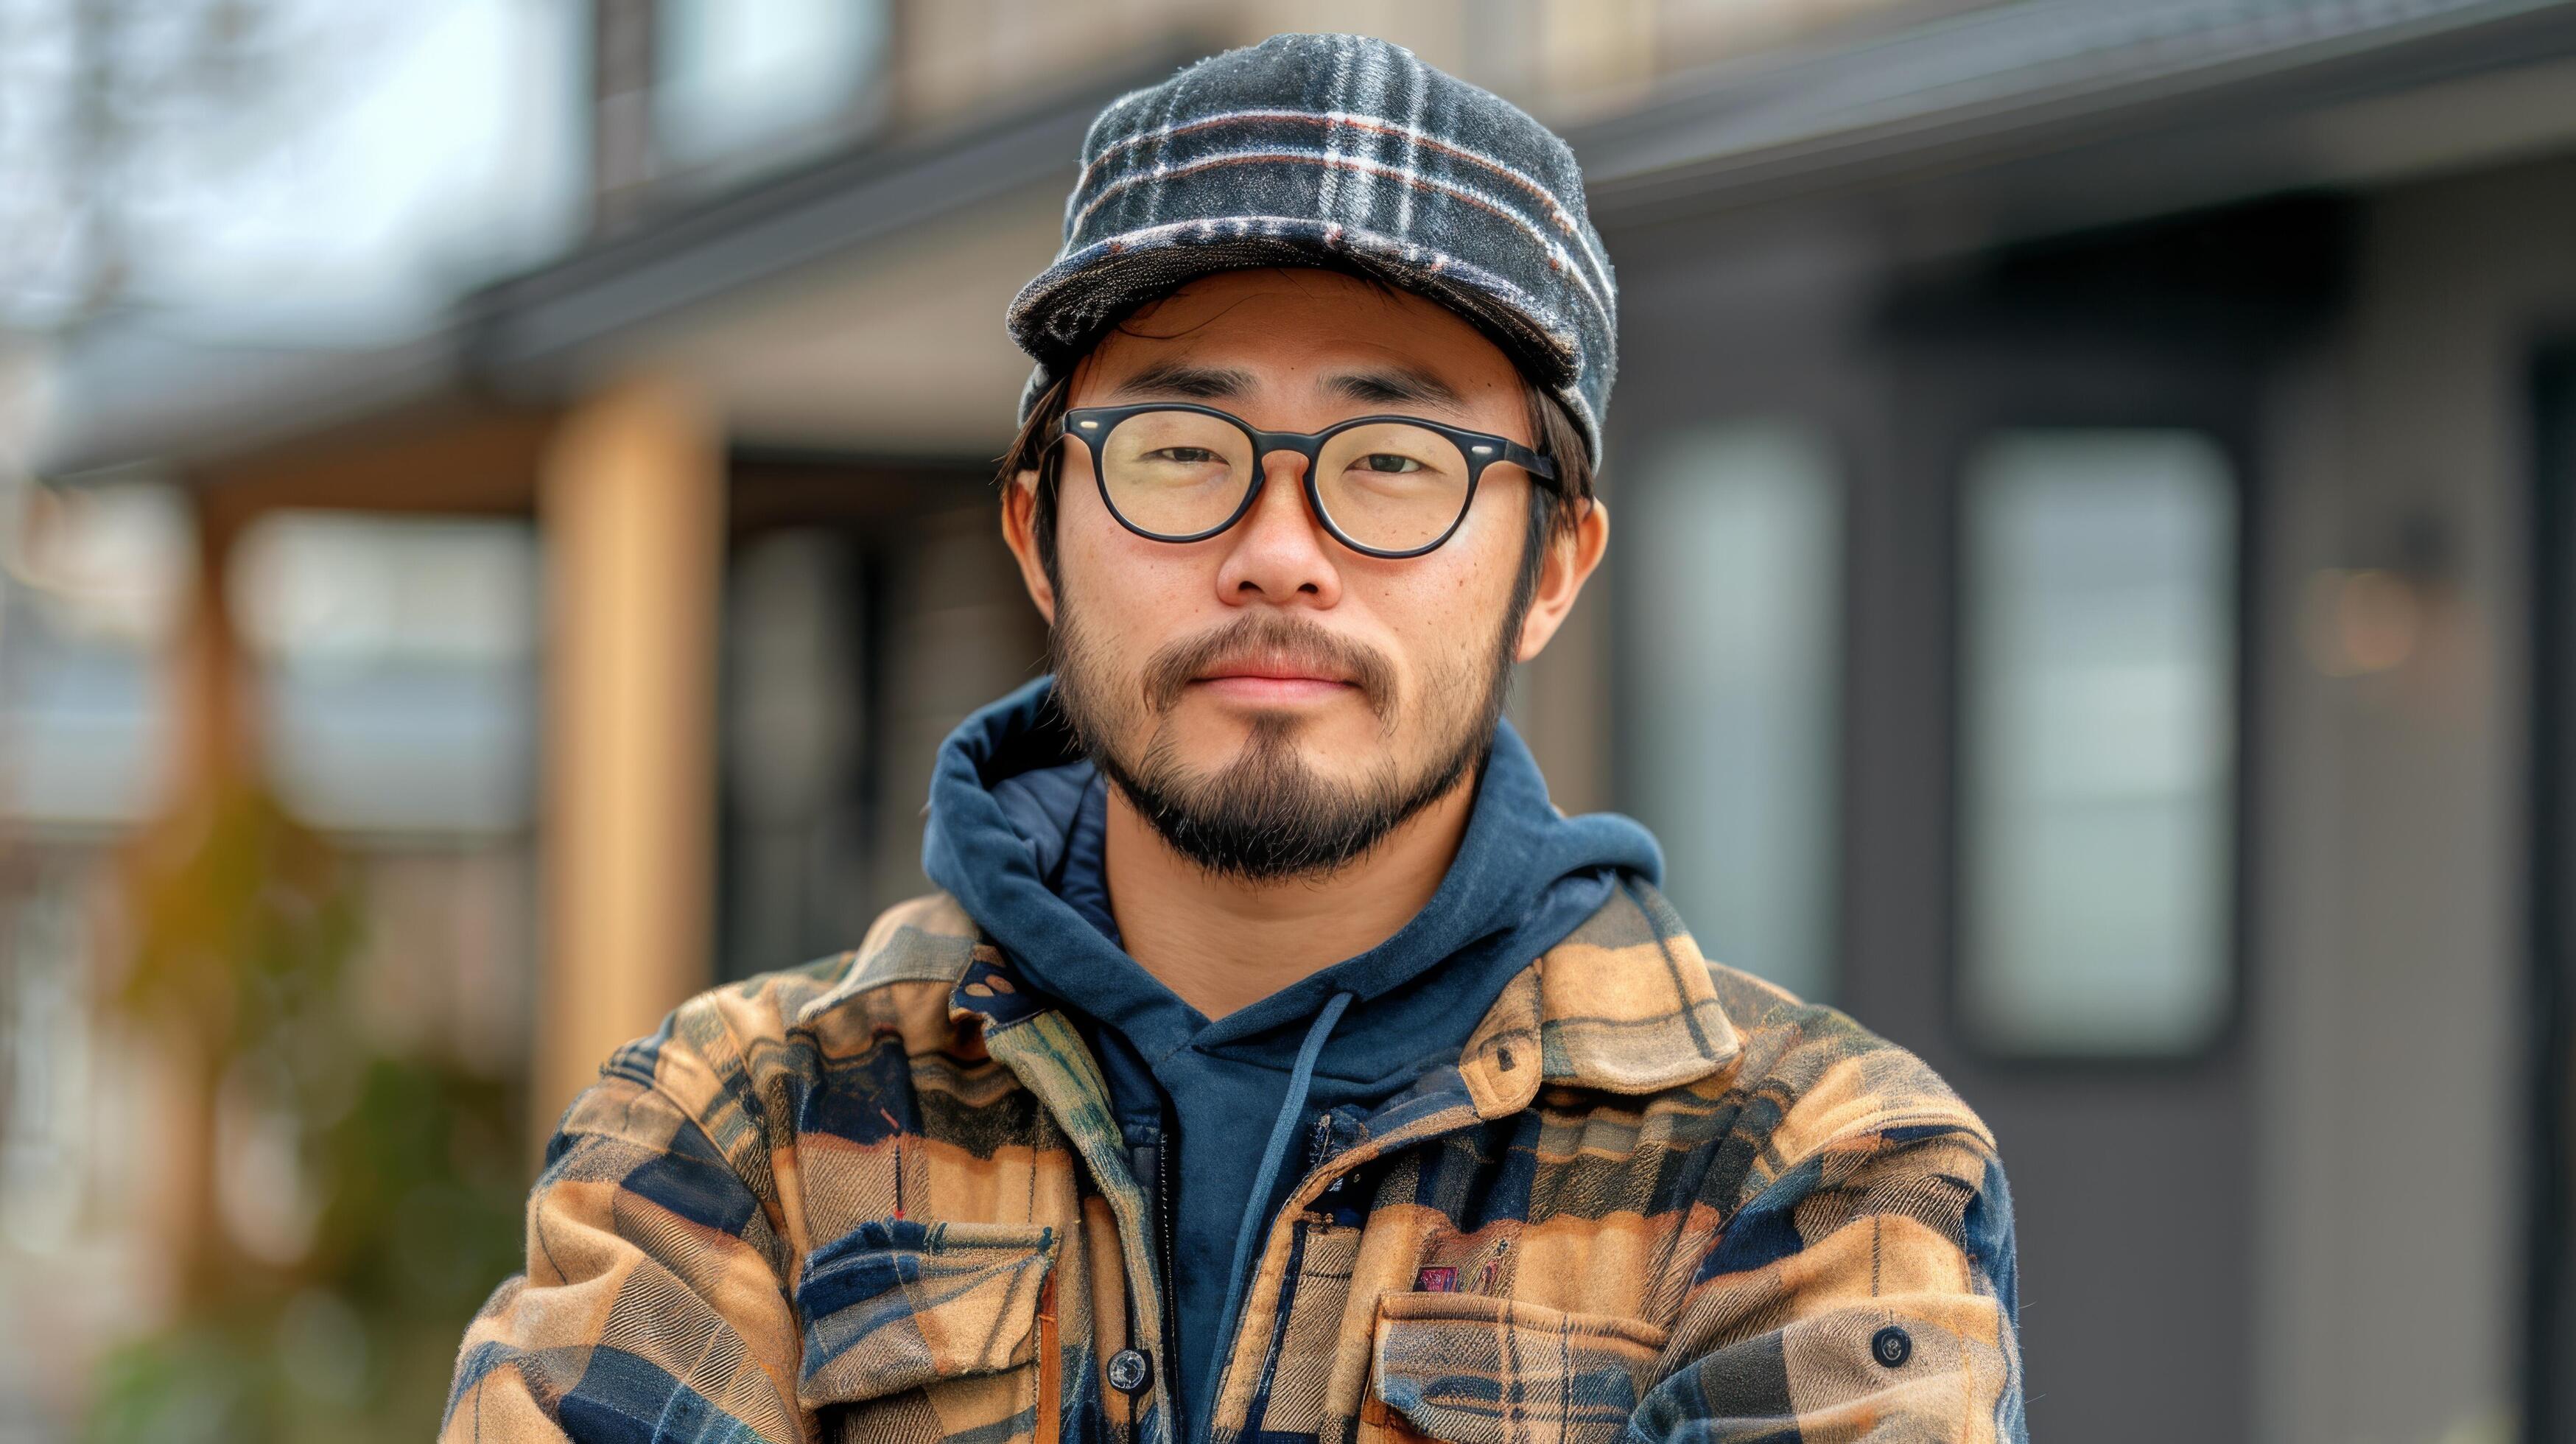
x,y
89,611
1733,563
2101,623
750,75
396,660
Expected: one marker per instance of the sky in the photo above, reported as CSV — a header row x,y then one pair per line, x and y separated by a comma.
x,y
349,172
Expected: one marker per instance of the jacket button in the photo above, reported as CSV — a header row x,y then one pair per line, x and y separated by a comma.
x,y
1891,1346
1129,1372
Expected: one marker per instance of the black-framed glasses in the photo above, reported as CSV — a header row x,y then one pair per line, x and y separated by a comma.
x,y
1384,486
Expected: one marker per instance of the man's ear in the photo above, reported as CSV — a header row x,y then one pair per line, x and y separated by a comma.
x,y
1020,534
1572,553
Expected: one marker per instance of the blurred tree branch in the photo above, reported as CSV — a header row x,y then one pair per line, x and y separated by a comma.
x,y
98,99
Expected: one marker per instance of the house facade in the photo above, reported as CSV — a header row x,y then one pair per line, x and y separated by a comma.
x,y
2092,574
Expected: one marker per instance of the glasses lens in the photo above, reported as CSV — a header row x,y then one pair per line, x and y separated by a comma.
x,y
1392,487
1175,473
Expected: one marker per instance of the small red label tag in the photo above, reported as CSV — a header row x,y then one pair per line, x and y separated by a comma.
x,y
1436,1281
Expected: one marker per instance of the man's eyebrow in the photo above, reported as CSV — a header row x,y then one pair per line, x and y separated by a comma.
x,y
1179,378
1376,386
1398,385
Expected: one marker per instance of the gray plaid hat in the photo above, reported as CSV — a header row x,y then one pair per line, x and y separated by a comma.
x,y
1340,151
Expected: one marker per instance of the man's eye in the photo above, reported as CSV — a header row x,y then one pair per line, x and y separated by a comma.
x,y
1387,461
1185,455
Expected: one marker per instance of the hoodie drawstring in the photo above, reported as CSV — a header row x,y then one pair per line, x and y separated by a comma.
x,y
1301,1081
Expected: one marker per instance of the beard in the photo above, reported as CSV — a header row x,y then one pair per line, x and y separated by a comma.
x,y
1265,815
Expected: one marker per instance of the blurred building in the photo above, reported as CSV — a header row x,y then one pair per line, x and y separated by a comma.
x,y
2095,489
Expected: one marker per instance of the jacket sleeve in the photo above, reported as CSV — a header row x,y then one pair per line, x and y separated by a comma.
x,y
652,1306
1867,1293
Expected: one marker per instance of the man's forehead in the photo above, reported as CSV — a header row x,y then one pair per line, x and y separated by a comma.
x,y
1296,331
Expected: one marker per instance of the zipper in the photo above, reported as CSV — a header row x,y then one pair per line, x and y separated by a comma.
x,y
1330,1171
1169,1233
1036,1050
1150,1165
1319,1154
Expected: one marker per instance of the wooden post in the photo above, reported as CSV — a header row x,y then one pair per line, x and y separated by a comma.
x,y
631,503
215,737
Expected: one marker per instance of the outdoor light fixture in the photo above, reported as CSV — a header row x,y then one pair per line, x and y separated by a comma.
x,y
2358,622
2365,620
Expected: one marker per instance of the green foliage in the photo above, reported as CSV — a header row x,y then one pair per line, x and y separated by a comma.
x,y
250,922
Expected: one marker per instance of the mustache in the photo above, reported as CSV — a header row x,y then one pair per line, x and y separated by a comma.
x,y
1268,637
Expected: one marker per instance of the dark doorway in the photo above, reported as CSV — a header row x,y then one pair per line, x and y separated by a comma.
x,y
2130,1151
2032,475
2049,829
2549,1369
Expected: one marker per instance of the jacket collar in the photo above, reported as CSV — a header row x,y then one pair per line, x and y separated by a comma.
x,y
1623,1005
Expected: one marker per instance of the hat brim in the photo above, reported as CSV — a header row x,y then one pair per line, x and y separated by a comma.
x,y
1060,315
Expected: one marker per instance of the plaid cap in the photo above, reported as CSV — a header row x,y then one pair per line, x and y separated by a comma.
x,y
1346,152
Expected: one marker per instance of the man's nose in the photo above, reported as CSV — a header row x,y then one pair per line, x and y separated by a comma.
x,y
1280,550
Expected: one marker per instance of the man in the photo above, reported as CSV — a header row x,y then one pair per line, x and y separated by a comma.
x,y
1276,1063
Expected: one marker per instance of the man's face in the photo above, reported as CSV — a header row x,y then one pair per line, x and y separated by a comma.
x,y
1271,700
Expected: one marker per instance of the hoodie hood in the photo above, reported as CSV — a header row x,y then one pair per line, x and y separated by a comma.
x,y
1006,808
1018,823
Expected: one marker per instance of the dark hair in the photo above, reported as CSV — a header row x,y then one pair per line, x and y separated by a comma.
x,y
1555,506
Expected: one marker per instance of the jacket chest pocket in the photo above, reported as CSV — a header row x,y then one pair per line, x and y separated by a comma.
x,y
919,1332
1468,1369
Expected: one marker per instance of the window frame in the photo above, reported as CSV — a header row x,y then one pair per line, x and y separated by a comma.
x,y
2228,434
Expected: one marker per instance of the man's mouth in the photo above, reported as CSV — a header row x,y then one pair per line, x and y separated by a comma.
x,y
1269,662
1275,680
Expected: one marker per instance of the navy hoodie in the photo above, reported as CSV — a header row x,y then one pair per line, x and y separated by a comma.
x,y
1016,833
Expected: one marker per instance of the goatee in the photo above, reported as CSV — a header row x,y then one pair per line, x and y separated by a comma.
x,y
1266,815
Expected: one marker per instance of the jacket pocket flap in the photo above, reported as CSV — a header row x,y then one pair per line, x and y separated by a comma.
x,y
895,1304
1475,1370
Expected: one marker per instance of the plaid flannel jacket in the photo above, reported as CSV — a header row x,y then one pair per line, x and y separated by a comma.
x,y
881,1198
